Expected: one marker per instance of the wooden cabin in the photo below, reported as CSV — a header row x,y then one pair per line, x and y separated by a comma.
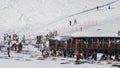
x,y
96,41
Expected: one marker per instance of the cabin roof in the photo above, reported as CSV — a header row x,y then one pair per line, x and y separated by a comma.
x,y
97,33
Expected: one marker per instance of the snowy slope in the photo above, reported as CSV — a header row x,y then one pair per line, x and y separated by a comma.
x,y
31,17
108,23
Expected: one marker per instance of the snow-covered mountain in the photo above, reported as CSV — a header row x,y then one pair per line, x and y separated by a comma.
x,y
33,17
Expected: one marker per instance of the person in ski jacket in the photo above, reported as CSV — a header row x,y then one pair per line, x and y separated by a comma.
x,y
94,55
70,22
109,7
64,53
20,45
8,51
18,49
77,55
75,21
97,8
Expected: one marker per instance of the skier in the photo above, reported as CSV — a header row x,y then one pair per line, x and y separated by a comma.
x,y
70,23
75,21
86,54
94,55
8,51
97,8
72,52
15,46
109,7
77,55
64,53
20,45
9,43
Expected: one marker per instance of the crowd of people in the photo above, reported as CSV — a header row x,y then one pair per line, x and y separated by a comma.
x,y
14,47
80,54
73,53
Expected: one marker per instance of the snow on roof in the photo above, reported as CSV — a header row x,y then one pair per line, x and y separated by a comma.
x,y
97,33
64,38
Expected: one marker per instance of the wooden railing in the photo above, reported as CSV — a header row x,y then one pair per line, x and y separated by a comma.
x,y
88,46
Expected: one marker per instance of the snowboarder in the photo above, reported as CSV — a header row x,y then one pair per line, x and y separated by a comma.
x,y
70,23
8,51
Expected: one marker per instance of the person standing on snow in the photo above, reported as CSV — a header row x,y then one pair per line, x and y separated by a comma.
x,y
8,51
97,8
72,52
109,7
64,53
75,21
77,55
20,45
70,22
